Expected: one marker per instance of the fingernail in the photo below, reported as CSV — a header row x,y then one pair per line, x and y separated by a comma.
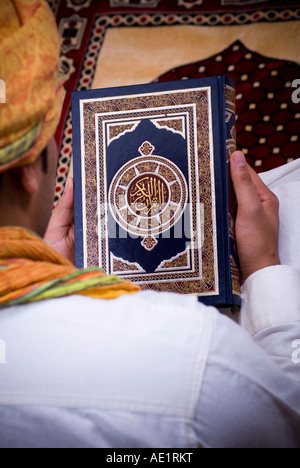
x,y
68,184
239,159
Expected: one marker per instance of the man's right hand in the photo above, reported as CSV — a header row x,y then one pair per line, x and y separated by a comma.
x,y
257,222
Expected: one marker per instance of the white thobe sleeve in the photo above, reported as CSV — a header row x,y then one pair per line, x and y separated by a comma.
x,y
271,297
271,314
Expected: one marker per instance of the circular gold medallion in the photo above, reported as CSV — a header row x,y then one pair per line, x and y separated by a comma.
x,y
147,196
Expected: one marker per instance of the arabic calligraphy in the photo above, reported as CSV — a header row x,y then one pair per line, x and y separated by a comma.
x,y
148,195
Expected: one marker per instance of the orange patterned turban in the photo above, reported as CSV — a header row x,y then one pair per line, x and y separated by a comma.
x,y
29,66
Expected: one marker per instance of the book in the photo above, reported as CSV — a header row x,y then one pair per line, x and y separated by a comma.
x,y
153,199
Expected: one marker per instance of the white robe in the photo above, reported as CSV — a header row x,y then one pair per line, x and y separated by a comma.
x,y
160,370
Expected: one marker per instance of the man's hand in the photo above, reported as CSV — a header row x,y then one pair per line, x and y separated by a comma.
x,y
60,231
257,223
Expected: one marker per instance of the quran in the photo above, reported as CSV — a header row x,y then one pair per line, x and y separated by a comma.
x,y
153,198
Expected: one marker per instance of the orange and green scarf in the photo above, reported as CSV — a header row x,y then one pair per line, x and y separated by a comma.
x,y
31,271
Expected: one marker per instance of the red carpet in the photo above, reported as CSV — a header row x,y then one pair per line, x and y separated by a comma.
x,y
268,120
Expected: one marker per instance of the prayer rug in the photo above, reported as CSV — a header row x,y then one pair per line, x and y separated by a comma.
x,y
123,42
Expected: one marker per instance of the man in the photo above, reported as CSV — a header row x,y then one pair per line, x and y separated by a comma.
x,y
143,369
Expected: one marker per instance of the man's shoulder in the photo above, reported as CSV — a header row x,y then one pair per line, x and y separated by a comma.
x,y
116,354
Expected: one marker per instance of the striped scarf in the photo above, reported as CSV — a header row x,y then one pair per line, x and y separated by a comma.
x,y
31,271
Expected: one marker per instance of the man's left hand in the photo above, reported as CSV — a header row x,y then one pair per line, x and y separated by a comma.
x,y
60,231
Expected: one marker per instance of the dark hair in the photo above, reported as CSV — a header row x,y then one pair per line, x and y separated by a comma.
x,y
44,158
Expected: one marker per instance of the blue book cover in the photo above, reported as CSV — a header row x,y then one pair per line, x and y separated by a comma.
x,y
153,202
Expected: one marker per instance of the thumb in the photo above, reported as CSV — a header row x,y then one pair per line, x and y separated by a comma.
x,y
63,213
244,187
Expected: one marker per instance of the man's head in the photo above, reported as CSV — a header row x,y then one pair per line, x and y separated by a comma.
x,y
29,65
27,192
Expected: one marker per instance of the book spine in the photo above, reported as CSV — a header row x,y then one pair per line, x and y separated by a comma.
x,y
231,146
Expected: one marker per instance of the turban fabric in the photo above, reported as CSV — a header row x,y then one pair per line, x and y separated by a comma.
x,y
29,66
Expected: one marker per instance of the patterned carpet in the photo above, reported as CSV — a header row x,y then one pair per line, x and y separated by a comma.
x,y
120,42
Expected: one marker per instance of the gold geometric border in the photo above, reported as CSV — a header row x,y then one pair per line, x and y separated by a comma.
x,y
197,103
